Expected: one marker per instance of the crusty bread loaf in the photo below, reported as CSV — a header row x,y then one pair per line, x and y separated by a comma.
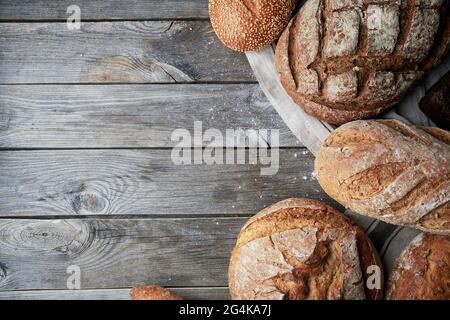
x,y
302,249
389,171
422,271
248,25
343,60
146,292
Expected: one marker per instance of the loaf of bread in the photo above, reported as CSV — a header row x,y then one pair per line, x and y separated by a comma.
x,y
390,171
146,292
436,103
248,25
343,60
422,271
302,249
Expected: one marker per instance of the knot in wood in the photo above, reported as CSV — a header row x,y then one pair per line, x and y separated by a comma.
x,y
88,201
67,237
3,272
5,119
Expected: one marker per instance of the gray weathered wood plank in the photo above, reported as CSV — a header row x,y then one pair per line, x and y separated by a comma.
x,y
118,116
100,9
116,253
196,293
139,182
117,52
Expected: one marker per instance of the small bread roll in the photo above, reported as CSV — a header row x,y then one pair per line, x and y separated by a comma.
x,y
422,271
301,249
152,293
248,25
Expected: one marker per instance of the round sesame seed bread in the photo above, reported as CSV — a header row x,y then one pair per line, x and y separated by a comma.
x,y
248,25
344,60
152,293
422,271
302,249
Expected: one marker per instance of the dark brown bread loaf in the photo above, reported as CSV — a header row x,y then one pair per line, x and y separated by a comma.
x,y
152,293
436,103
302,249
247,25
422,272
343,60
389,171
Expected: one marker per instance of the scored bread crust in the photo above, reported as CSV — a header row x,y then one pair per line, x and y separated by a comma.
x,y
146,292
422,271
390,171
286,250
344,60
248,25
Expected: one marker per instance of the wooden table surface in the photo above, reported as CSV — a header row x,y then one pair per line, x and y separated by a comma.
x,y
86,176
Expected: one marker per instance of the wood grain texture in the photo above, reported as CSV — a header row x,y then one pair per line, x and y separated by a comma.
x,y
196,293
117,52
139,182
130,116
102,10
116,253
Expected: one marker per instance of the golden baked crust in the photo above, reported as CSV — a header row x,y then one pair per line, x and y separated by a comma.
x,y
301,249
344,60
422,271
248,25
389,171
152,293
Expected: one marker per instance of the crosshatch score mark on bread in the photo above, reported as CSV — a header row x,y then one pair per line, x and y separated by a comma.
x,y
343,60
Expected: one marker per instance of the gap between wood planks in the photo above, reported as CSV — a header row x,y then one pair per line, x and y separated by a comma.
x,y
188,293
130,83
101,20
